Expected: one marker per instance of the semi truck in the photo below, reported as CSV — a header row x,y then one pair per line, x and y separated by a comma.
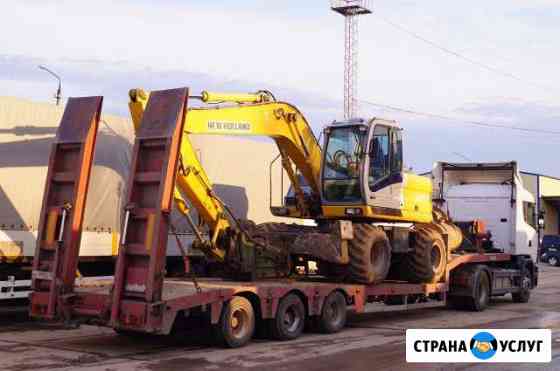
x,y
141,298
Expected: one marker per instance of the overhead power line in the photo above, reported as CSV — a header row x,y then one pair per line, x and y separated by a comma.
x,y
469,122
463,57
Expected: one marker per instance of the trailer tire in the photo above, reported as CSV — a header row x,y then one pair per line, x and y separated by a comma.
x,y
524,294
289,321
428,260
370,254
237,323
481,291
333,313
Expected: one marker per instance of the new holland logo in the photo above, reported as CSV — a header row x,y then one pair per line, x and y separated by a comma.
x,y
229,126
500,345
483,345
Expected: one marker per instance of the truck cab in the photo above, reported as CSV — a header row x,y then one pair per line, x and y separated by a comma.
x,y
493,193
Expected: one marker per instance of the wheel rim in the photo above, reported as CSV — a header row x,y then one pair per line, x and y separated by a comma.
x,y
526,283
238,323
483,289
291,319
552,260
435,254
332,311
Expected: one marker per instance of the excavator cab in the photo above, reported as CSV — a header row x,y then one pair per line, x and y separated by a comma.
x,y
362,174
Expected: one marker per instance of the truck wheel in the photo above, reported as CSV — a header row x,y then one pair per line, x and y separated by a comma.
x,y
290,318
370,254
333,314
524,294
481,292
237,323
553,260
428,260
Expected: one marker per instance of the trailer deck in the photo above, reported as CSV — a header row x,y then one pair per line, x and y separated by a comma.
x,y
92,298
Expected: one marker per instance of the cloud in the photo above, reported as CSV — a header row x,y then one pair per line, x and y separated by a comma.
x,y
114,80
431,139
295,49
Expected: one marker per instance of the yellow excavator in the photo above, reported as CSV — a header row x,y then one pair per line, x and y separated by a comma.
x,y
373,219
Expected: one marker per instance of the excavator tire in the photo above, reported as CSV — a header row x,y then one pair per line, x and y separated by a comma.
x,y
428,260
370,254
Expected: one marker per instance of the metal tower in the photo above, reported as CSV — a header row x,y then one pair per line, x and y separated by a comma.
x,y
351,9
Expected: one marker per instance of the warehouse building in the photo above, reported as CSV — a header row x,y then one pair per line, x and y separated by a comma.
x,y
546,190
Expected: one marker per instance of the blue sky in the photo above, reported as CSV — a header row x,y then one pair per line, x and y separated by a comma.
x,y
295,48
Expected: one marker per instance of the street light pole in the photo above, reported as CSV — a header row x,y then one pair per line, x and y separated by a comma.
x,y
58,95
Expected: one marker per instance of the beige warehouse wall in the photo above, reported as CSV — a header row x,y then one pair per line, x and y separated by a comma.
x,y
551,218
530,182
550,187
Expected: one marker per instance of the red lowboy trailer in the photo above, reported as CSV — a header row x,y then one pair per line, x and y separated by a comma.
x,y
139,298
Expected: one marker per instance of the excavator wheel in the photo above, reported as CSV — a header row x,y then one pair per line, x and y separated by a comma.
x,y
370,254
428,260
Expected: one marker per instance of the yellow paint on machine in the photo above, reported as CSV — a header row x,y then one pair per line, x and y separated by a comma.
x,y
11,251
416,208
114,243
150,224
417,194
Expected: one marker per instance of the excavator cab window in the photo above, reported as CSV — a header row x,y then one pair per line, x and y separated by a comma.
x,y
385,156
380,154
396,151
342,164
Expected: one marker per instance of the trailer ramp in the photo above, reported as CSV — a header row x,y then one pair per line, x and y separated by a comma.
x,y
139,274
62,212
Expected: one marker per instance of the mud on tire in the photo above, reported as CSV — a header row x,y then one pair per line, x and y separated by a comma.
x,y
370,254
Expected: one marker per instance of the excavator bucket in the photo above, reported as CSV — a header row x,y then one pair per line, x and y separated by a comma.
x,y
62,212
138,283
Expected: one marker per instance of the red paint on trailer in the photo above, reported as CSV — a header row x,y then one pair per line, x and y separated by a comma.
x,y
62,212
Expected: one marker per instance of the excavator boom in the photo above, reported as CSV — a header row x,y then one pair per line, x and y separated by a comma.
x,y
258,115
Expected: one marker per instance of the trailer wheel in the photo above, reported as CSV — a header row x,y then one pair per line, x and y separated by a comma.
x,y
481,291
237,323
370,254
524,294
333,314
289,321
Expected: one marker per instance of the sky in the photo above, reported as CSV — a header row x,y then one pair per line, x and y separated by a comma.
x,y
295,49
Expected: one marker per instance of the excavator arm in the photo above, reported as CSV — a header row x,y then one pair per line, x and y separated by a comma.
x,y
252,115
